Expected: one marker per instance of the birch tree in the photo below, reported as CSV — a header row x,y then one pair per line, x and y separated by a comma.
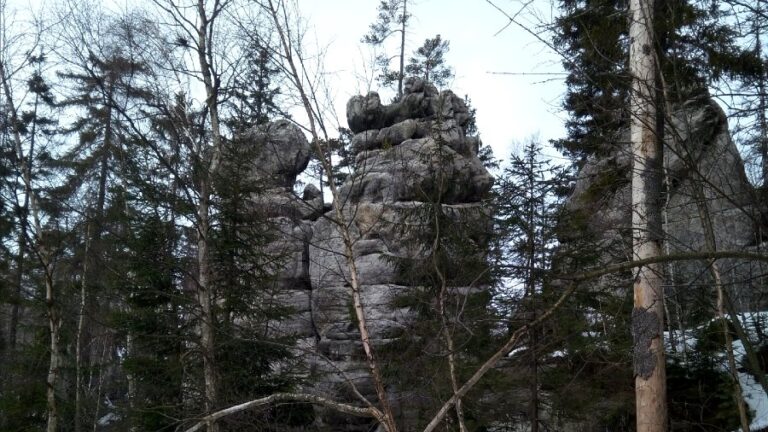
x,y
648,312
198,26
41,235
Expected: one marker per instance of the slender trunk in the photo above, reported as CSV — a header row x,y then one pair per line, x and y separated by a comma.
x,y
130,378
401,76
54,325
648,312
16,304
533,404
761,88
207,323
205,288
387,420
79,336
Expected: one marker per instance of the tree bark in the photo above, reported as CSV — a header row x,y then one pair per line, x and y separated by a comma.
x,y
205,289
387,419
648,312
401,76
761,106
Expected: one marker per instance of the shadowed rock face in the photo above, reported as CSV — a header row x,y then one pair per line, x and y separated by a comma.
x,y
698,153
698,150
408,153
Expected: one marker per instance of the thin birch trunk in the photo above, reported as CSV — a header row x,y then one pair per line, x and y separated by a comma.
x,y
205,288
387,420
648,312
79,336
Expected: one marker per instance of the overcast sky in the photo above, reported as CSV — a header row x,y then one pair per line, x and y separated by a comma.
x,y
510,108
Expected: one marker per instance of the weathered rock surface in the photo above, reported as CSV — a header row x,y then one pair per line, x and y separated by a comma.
x,y
282,152
406,154
698,153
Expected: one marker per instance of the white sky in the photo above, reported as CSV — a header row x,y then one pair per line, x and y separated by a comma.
x,y
509,108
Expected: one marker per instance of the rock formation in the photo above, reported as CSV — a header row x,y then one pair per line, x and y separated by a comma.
x,y
700,160
698,154
414,153
408,154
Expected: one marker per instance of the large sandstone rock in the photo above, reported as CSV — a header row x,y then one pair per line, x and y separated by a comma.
x,y
698,153
407,154
282,152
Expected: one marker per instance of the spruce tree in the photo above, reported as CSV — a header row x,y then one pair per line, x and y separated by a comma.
x,y
696,47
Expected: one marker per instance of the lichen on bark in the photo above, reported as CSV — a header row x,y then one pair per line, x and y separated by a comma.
x,y
645,327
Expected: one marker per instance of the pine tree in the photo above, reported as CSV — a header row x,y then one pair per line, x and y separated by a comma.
x,y
428,62
392,19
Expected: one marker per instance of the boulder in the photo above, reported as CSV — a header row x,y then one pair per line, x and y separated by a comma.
x,y
282,152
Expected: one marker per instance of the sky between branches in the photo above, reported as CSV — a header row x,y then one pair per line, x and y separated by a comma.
x,y
510,108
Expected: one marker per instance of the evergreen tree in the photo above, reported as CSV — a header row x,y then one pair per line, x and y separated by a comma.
x,y
527,202
392,19
252,95
428,62
695,45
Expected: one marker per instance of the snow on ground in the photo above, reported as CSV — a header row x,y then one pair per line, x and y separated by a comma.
x,y
754,396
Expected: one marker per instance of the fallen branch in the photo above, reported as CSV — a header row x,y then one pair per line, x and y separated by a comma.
x,y
289,397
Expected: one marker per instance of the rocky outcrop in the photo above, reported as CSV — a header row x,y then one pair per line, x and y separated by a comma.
x,y
698,153
406,155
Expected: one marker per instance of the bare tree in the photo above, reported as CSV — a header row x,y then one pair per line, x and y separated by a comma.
x,y
41,233
198,24
648,312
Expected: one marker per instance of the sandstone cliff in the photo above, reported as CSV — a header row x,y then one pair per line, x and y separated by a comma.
x,y
407,155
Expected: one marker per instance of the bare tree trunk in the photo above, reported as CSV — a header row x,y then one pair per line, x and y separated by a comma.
x,y
54,325
648,312
296,76
79,336
401,76
16,305
205,289
207,325
533,404
761,107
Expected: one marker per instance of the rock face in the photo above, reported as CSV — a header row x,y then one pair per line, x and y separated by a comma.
x,y
700,159
698,155
406,154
